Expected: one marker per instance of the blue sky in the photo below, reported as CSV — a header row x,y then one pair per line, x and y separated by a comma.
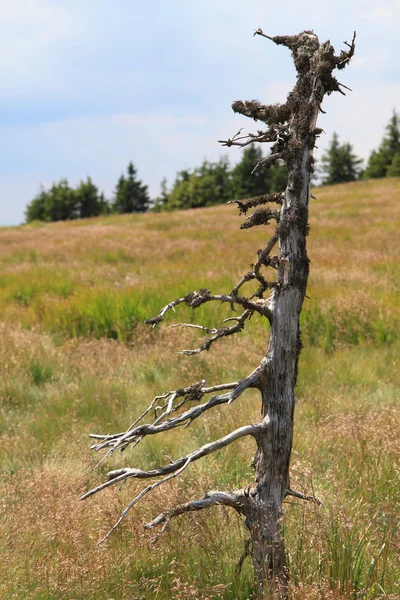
x,y
89,85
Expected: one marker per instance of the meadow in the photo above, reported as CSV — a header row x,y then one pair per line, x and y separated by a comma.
x,y
76,359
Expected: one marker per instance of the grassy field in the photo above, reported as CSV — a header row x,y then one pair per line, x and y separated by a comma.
x,y
77,359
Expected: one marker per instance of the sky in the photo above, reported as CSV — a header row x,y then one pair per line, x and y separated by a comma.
x,y
89,85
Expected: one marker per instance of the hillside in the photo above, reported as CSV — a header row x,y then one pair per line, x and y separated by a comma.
x,y
77,359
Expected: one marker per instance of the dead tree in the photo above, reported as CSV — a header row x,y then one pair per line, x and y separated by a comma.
x,y
291,129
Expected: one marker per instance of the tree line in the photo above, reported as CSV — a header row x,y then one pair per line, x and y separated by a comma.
x,y
339,164
212,182
216,183
61,202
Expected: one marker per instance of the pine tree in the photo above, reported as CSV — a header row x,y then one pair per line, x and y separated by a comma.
x,y
247,182
207,185
180,194
119,196
104,205
88,200
245,185
278,177
394,168
339,164
35,211
221,175
131,195
160,203
61,202
380,160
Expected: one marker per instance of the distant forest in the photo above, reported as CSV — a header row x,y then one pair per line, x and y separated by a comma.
x,y
212,182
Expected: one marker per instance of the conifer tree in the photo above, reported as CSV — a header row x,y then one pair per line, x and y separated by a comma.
x,y
160,203
244,184
61,202
207,185
247,182
394,168
88,200
381,159
131,195
35,211
339,164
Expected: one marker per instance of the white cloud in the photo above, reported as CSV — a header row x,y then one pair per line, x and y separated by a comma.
x,y
33,31
384,12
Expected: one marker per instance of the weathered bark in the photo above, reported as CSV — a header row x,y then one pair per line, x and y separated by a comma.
x,y
314,63
292,131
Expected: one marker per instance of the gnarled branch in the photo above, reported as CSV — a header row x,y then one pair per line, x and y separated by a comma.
x,y
173,469
162,423
272,115
278,133
195,299
120,475
267,161
346,55
219,333
296,494
214,498
260,217
245,205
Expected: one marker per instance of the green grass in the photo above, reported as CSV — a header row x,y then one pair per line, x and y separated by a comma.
x,y
76,358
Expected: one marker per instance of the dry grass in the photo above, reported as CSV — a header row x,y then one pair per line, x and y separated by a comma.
x,y
76,358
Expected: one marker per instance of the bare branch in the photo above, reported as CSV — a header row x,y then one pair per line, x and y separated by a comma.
x,y
232,141
260,217
345,86
171,305
177,466
277,133
245,205
201,327
293,42
133,434
273,114
256,274
196,299
346,55
261,261
267,161
222,332
248,277
259,31
296,494
148,489
213,498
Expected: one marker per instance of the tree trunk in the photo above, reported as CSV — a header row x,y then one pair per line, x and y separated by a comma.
x,y
277,389
296,123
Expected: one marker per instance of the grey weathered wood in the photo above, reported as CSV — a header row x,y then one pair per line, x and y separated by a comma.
x,y
314,63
